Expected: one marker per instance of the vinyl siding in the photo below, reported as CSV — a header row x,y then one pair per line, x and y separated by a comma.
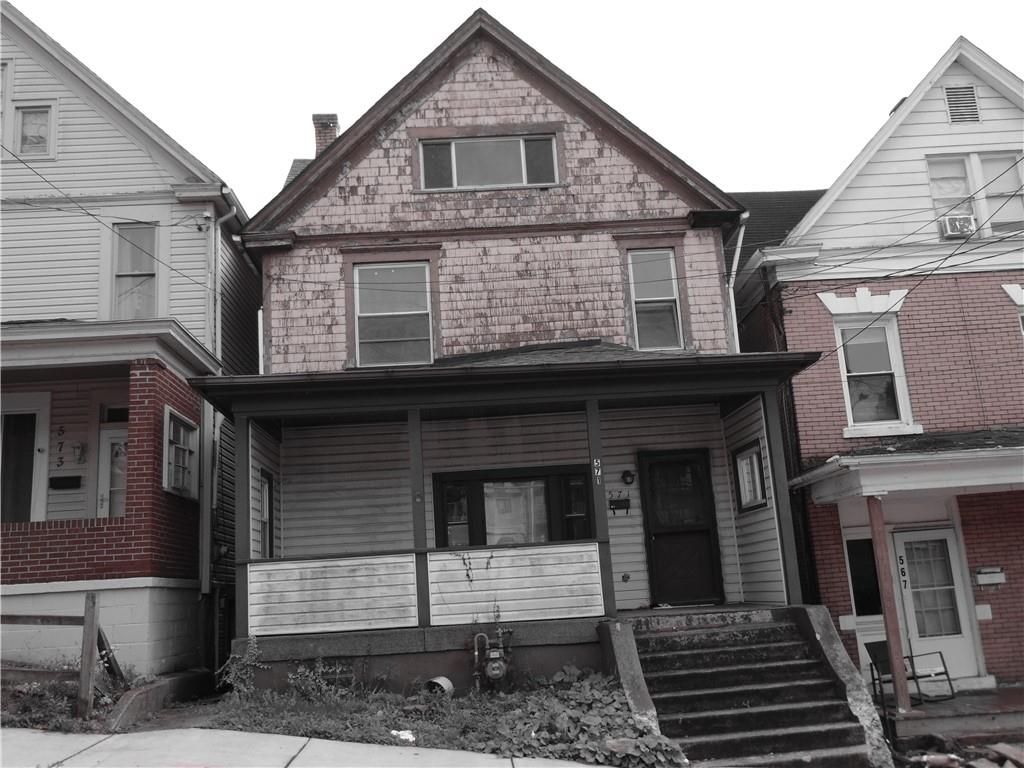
x,y
757,532
332,595
522,584
265,456
239,304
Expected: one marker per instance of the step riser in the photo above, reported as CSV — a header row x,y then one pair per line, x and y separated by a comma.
x,y
735,636
853,759
713,700
724,678
818,713
724,657
668,621
742,745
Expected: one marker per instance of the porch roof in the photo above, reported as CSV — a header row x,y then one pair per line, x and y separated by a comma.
x,y
528,376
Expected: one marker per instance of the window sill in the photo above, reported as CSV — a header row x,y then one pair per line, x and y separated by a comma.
x,y
504,188
882,430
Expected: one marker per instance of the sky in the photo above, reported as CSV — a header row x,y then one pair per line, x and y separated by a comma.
x,y
755,96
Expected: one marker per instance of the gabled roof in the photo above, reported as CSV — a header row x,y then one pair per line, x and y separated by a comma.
x,y
320,170
772,217
974,60
112,100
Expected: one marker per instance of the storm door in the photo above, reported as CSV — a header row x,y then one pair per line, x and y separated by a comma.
x,y
679,521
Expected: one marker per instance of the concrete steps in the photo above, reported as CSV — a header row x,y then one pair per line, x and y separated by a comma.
x,y
746,689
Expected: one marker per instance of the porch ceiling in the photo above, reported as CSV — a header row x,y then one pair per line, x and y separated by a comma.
x,y
448,390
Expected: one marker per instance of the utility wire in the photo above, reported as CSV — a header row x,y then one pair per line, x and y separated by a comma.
x,y
119,219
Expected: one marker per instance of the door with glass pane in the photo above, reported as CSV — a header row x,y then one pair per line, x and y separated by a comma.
x,y
934,606
113,472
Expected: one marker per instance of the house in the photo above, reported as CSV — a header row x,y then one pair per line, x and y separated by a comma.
x,y
907,275
501,385
120,281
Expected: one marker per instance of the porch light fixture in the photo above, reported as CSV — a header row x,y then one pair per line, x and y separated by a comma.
x,y
628,478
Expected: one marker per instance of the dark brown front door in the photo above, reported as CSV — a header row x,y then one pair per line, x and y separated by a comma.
x,y
679,520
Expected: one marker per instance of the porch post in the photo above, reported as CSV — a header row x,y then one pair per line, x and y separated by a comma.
x,y
243,548
883,571
419,516
600,507
780,487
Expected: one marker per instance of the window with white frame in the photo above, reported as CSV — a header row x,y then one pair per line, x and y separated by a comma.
x,y
33,127
511,161
977,191
656,315
135,280
181,454
749,469
875,386
392,307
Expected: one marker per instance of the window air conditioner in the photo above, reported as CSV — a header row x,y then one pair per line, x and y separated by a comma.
x,y
957,227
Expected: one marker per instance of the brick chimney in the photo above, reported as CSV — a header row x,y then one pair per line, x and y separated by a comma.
x,y
325,128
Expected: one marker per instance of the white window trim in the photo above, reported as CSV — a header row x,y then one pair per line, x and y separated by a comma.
x,y
18,106
356,313
905,424
754,454
476,139
39,404
675,297
980,201
192,492
156,214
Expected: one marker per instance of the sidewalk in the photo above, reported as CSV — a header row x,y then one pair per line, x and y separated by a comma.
x,y
193,747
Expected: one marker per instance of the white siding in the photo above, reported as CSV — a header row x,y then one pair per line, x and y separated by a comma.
x,y
757,531
522,584
332,595
265,456
895,179
345,489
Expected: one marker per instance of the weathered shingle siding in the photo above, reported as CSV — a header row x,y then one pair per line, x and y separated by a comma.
x,y
377,193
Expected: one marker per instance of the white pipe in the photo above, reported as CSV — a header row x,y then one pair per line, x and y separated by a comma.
x,y
731,283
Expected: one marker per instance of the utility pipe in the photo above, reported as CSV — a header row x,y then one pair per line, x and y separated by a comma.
x,y
731,283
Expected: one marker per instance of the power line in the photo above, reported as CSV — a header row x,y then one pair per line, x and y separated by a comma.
x,y
119,219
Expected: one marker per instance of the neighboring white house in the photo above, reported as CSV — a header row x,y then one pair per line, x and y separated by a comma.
x,y
120,280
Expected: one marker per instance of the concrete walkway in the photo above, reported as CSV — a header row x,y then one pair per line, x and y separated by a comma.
x,y
193,747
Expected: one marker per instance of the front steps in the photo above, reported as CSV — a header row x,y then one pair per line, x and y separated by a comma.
x,y
744,688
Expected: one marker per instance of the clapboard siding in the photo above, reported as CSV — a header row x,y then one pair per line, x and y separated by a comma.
x,y
521,584
895,179
332,595
623,434
266,455
74,406
240,303
190,290
757,532
345,489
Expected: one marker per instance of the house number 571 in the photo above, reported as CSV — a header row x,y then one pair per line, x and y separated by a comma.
x,y
597,471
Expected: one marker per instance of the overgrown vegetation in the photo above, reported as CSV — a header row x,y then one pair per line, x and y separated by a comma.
x,y
576,715
51,706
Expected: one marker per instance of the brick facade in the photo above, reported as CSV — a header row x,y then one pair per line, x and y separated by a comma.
x,y
833,581
993,529
158,534
962,349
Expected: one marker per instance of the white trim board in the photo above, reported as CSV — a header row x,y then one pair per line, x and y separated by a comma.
x,y
97,585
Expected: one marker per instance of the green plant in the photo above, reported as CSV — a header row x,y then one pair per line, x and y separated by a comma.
x,y
50,706
239,671
323,682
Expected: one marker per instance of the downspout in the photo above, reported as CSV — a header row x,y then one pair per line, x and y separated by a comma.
x,y
731,283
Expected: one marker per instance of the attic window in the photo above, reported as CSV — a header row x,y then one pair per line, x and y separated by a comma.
x,y
962,103
513,161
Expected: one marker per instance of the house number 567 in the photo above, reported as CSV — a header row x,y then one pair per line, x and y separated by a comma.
x,y
903,572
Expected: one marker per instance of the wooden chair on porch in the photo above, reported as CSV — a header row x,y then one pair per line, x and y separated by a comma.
x,y
917,668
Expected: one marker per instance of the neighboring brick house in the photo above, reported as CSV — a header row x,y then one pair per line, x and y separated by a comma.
x,y
501,381
120,281
907,275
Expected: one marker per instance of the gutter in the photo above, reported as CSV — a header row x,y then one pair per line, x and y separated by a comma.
x,y
730,284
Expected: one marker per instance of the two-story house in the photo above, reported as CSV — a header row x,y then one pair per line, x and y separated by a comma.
x,y
501,381
907,275
120,281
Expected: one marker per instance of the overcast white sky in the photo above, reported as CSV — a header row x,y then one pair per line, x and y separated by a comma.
x,y
754,95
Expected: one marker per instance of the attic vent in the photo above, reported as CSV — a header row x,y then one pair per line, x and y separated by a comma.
x,y
962,103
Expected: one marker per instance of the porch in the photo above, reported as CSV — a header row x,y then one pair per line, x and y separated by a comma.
x,y
428,501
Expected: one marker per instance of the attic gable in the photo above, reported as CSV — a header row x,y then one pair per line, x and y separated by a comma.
x,y
488,50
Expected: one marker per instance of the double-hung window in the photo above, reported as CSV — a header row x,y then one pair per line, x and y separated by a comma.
x,y
393,324
977,191
181,454
656,315
514,161
875,385
135,281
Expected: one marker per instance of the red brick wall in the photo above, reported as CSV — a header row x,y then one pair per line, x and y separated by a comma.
x,y
962,349
993,528
833,580
158,535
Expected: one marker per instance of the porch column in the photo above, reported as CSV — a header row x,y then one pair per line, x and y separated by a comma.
x,y
780,487
883,571
243,548
600,507
419,516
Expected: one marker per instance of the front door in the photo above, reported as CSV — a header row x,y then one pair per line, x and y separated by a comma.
x,y
934,606
679,520
113,471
